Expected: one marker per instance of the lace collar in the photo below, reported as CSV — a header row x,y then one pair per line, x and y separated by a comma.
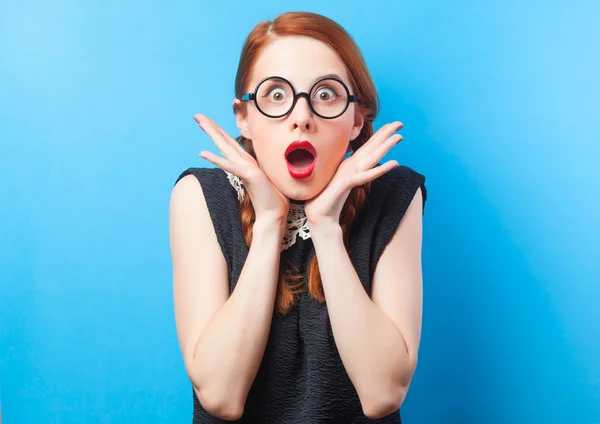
x,y
296,225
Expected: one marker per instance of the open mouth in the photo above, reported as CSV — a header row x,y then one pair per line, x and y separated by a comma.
x,y
300,157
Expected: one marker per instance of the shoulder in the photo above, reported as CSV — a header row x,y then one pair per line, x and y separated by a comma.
x,y
188,202
403,176
396,189
206,194
393,199
188,189
197,212
213,183
202,175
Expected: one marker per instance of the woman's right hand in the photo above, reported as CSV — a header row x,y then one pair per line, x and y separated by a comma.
x,y
268,202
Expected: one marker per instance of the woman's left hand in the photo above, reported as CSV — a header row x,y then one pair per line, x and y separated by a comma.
x,y
326,207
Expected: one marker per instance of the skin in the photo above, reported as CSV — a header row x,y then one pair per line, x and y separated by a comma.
x,y
292,58
223,337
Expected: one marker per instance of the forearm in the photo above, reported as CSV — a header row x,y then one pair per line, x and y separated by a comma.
x,y
371,347
228,354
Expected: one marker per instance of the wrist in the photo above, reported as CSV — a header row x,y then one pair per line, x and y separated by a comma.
x,y
269,224
325,230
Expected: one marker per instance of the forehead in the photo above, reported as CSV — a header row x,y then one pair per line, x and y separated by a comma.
x,y
301,60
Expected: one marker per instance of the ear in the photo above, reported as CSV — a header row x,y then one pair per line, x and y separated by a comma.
x,y
359,121
241,118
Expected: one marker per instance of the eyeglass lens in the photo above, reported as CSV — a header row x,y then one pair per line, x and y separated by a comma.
x,y
275,97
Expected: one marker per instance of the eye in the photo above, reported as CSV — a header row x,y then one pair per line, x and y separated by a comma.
x,y
277,94
325,94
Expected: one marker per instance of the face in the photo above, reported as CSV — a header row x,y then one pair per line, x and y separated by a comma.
x,y
302,61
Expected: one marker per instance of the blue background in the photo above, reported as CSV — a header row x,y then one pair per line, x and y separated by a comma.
x,y
501,106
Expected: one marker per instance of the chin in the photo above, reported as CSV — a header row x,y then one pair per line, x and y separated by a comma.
x,y
302,190
300,195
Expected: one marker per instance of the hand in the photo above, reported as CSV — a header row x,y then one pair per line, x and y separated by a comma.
x,y
326,207
268,202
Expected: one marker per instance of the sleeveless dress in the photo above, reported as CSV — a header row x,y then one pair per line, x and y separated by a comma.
x,y
301,379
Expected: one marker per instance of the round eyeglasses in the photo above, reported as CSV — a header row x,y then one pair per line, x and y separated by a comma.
x,y
275,97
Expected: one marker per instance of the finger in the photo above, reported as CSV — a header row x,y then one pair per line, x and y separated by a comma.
x,y
374,173
222,144
383,148
222,163
231,141
223,133
207,126
381,135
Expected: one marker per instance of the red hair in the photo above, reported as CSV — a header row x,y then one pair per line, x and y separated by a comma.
x,y
312,25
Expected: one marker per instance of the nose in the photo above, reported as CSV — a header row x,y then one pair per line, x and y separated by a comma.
x,y
301,115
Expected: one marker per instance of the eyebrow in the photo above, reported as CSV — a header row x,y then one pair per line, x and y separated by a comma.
x,y
328,76
331,75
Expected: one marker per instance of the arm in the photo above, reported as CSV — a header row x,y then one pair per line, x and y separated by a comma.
x,y
377,337
222,338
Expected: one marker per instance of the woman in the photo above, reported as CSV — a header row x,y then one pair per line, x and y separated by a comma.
x,y
297,261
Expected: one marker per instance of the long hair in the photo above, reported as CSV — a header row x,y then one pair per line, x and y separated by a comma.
x,y
290,281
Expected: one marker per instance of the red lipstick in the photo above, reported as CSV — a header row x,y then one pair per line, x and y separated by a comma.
x,y
303,161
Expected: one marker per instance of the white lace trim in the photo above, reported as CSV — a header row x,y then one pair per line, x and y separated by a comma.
x,y
237,183
296,224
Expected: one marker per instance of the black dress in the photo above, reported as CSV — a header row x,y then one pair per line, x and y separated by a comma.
x,y
301,379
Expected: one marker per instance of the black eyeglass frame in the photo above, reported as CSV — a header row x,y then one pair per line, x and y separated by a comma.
x,y
351,98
